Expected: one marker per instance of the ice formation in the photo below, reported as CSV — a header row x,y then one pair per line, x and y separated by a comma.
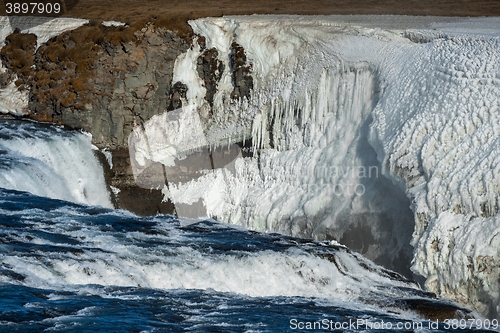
x,y
377,131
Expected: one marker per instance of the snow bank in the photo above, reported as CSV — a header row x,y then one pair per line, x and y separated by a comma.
x,y
413,100
114,24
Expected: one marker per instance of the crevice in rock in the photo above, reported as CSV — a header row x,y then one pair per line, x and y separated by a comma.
x,y
240,72
210,70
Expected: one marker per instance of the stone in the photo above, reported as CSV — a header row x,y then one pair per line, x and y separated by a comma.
x,y
123,85
241,72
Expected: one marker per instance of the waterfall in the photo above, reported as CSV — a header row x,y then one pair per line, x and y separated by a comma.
x,y
360,133
51,162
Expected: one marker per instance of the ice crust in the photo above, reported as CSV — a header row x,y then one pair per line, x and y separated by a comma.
x,y
414,98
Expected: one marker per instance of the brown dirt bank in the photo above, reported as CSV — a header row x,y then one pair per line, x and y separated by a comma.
x,y
132,9
174,14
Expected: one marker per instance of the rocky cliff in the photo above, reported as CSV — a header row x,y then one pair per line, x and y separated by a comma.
x,y
106,80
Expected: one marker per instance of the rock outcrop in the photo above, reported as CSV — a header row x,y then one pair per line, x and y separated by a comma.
x,y
104,80
241,72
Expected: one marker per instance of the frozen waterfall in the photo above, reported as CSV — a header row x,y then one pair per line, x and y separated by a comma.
x,y
383,136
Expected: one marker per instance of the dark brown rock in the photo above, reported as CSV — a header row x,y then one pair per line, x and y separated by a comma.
x,y
177,94
210,70
435,309
125,192
241,72
18,56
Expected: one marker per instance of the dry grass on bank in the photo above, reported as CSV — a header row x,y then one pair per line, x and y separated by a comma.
x,y
174,14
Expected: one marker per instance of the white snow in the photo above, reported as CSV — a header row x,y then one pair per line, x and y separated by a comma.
x,y
414,98
12,100
113,24
44,28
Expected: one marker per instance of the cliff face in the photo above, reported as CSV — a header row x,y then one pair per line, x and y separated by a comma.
x,y
108,80
104,80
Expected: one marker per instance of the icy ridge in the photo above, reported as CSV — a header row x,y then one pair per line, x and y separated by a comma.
x,y
424,112
446,153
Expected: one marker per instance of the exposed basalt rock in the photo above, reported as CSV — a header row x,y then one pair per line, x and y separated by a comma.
x,y
105,80
210,70
126,193
434,309
177,94
241,72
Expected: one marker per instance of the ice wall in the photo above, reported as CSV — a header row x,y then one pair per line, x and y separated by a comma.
x,y
437,133
354,121
314,175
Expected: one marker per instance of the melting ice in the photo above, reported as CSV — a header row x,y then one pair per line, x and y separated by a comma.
x,y
415,98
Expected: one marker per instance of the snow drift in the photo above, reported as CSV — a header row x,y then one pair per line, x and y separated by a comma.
x,y
380,132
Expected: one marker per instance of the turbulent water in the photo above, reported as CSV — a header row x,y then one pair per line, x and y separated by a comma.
x,y
86,268
72,268
393,151
47,161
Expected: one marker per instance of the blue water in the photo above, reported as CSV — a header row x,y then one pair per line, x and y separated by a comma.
x,y
100,290
70,267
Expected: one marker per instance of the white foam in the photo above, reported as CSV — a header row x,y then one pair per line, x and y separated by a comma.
x,y
107,260
56,166
430,88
